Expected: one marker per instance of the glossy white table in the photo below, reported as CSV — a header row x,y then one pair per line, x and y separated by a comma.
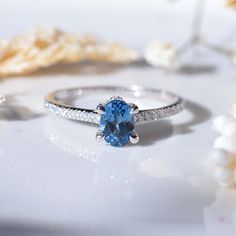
x,y
55,180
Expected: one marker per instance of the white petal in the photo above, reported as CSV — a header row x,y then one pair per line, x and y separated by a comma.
x,y
220,122
226,143
229,129
221,157
224,175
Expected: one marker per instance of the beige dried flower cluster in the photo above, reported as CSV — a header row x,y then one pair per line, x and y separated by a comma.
x,y
231,3
45,47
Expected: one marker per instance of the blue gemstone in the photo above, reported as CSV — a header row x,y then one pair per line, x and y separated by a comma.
x,y
117,123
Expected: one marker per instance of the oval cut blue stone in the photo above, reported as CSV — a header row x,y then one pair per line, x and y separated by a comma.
x,y
117,123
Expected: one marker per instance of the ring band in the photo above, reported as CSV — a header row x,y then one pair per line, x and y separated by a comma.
x,y
115,116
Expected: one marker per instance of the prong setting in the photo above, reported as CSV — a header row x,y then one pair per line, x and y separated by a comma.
x,y
99,136
117,122
114,98
134,108
134,138
100,109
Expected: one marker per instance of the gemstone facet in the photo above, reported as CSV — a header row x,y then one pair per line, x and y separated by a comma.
x,y
117,123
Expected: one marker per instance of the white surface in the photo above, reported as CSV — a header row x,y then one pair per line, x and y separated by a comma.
x,y
56,180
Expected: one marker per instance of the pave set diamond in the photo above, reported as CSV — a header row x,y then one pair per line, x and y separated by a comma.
x,y
159,113
116,118
72,113
93,117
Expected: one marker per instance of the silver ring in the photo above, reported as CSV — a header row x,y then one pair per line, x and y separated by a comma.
x,y
116,117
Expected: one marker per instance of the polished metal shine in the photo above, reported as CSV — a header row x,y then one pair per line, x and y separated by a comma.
x,y
58,103
54,103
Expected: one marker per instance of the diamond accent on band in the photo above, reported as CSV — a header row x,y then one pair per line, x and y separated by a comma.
x,y
159,113
93,117
55,103
72,113
117,118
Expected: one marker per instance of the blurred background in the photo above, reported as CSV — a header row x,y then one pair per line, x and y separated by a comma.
x,y
132,22
135,24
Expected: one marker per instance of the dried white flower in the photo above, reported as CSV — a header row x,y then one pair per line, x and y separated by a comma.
x,y
221,157
161,54
225,125
224,176
224,155
226,143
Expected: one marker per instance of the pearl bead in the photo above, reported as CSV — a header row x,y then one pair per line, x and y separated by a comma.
x,y
224,176
221,157
226,143
220,122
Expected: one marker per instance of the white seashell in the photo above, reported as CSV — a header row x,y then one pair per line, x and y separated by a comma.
x,y
224,176
221,157
160,54
226,143
220,122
